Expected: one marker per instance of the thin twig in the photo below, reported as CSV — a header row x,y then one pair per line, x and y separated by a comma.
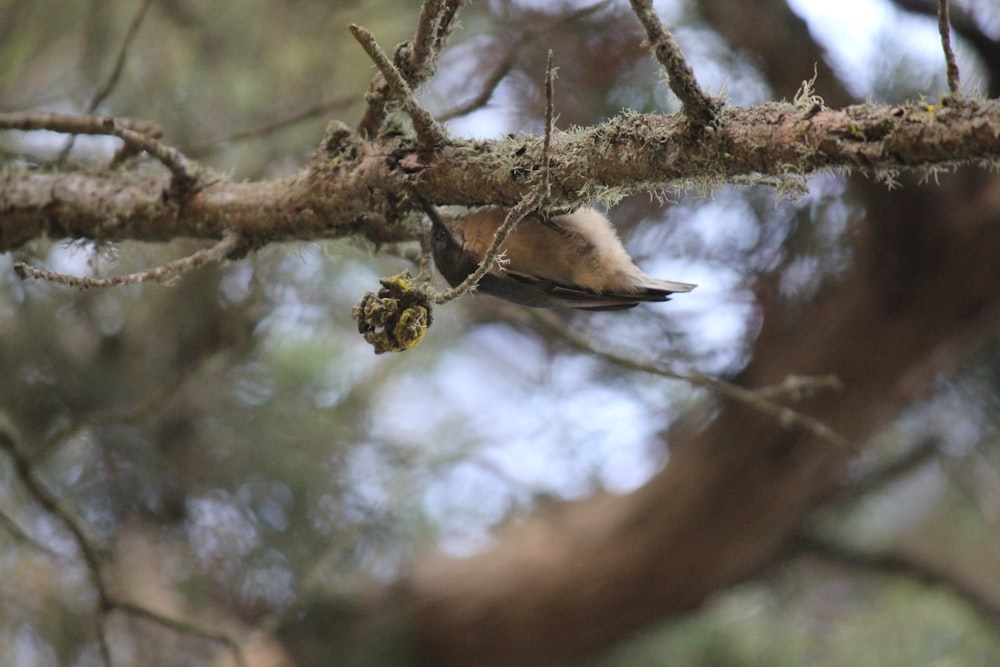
x,y
93,561
216,253
101,630
139,135
921,453
51,503
799,386
492,257
184,173
428,130
8,524
309,113
756,399
114,75
905,565
699,107
499,72
417,60
425,259
944,27
28,121
550,75
146,407
506,63
183,627
116,71
784,415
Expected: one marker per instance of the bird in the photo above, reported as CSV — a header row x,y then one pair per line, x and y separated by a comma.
x,y
573,260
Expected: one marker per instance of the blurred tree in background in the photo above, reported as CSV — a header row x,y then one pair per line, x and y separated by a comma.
x,y
241,461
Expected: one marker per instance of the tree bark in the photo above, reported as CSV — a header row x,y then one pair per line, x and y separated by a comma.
x,y
360,187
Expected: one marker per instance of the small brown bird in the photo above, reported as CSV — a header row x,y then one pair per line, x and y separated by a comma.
x,y
570,261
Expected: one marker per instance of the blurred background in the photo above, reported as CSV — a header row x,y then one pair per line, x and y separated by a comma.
x,y
232,444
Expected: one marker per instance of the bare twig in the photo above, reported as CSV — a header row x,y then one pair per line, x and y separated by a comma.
x,y
309,113
944,27
505,64
183,627
100,629
162,273
699,107
139,135
428,130
963,23
15,531
93,561
425,260
756,399
550,75
916,456
51,503
905,565
146,407
492,257
114,75
499,72
799,386
73,123
185,176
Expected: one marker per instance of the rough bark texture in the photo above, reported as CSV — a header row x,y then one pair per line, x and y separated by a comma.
x,y
357,187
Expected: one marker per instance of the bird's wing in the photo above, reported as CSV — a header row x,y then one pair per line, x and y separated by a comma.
x,y
534,291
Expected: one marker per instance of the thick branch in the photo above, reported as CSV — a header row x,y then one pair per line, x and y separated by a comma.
x,y
364,194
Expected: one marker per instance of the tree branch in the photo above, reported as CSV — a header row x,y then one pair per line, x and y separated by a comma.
x,y
502,66
92,559
944,28
216,253
874,480
761,400
339,197
28,121
136,135
114,75
550,76
428,130
901,564
323,109
699,107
